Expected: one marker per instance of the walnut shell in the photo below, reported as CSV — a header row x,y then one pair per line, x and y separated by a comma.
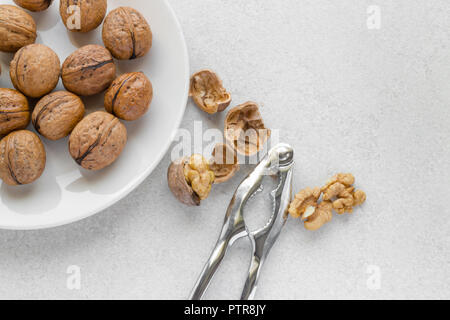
x,y
89,70
14,111
127,34
22,158
208,93
224,163
97,141
35,70
129,96
17,28
82,15
178,184
245,130
56,114
34,5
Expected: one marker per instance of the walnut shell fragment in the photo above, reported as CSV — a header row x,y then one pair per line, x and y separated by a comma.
x,y
17,28
224,163
190,179
14,111
208,93
245,130
57,114
89,70
22,158
82,15
97,141
127,34
35,70
34,5
129,96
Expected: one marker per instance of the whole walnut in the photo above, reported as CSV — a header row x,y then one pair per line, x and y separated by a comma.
x,y
129,96
56,114
89,70
17,28
22,158
34,5
82,15
14,111
35,70
126,34
97,141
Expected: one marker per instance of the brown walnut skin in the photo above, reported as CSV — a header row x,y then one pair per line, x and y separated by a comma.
x,y
17,28
92,14
35,70
34,5
126,34
178,184
97,141
129,96
89,70
22,158
14,111
57,114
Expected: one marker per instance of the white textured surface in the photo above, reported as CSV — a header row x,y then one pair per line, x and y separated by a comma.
x,y
373,102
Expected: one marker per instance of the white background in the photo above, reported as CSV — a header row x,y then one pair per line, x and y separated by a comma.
x,y
349,99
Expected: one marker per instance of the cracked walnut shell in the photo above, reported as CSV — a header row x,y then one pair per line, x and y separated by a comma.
x,y
82,15
129,96
35,70
245,130
190,179
224,163
34,5
22,158
97,141
208,93
89,70
17,28
14,111
127,34
57,114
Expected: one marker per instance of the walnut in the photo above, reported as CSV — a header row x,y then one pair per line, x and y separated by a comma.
x,y
190,179
34,5
127,34
17,28
14,111
304,203
35,70
82,15
321,215
97,141
245,130
22,158
224,163
89,70
129,96
56,114
208,93
339,189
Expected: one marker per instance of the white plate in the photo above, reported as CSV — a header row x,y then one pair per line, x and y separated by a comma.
x,y
66,193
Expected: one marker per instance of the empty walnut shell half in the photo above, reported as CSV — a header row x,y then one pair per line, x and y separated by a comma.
x,y
89,70
127,34
35,70
208,93
56,114
224,163
129,96
22,158
245,130
97,141
82,15
14,111
34,5
17,28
